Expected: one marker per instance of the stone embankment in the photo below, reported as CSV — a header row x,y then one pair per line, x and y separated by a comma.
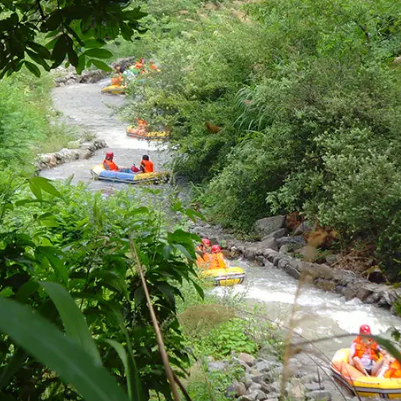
x,y
277,247
308,377
79,150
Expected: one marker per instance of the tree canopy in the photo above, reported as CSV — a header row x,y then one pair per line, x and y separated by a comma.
x,y
45,33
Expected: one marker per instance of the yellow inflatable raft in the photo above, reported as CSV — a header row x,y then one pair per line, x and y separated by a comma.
x,y
134,132
98,172
365,386
114,89
224,277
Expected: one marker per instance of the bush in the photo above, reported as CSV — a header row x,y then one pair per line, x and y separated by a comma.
x,y
25,116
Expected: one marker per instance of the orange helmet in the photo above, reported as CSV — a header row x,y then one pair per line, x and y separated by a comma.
x,y
216,249
364,329
206,242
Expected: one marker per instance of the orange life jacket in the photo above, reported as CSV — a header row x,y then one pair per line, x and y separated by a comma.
x,y
217,261
147,165
361,348
394,370
110,164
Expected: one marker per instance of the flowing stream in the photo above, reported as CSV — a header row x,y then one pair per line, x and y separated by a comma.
x,y
318,313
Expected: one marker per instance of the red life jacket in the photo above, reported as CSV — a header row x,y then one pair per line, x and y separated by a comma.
x,y
361,348
110,164
147,166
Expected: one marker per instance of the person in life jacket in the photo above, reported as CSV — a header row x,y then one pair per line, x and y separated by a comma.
x,y
365,353
108,162
217,258
146,165
203,253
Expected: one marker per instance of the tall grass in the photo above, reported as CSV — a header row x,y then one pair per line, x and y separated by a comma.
x,y
28,123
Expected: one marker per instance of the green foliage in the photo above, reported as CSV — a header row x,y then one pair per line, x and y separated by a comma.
x,y
75,244
206,386
231,336
49,32
27,120
306,94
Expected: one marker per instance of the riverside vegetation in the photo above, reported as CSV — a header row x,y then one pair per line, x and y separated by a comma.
x,y
304,99
306,96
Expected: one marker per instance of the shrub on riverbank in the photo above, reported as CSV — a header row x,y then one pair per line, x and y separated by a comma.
x,y
75,241
27,120
305,105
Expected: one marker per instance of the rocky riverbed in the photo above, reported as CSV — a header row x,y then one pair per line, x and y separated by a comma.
x,y
277,246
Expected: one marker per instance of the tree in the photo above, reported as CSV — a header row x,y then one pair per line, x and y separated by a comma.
x,y
45,33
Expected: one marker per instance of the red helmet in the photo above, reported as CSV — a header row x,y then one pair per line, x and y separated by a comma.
x,y
206,242
216,249
364,329
110,154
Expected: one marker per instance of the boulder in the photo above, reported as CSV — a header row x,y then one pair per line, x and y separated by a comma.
x,y
289,249
317,271
217,366
268,225
303,228
259,378
325,285
237,389
241,363
282,232
331,259
248,359
268,243
264,366
314,386
319,395
296,391
247,380
249,397
250,252
297,242
255,386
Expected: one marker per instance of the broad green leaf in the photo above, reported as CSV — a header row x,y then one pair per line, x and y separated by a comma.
x,y
59,50
55,259
120,351
99,64
81,64
184,251
60,353
39,49
72,318
35,190
44,184
72,57
193,214
112,279
94,44
98,53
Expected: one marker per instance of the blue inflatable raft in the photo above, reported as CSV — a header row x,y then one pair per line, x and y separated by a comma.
x,y
98,172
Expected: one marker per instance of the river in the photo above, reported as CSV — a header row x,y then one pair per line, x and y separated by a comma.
x,y
319,314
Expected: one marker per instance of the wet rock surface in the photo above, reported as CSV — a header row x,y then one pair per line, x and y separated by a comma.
x,y
310,379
